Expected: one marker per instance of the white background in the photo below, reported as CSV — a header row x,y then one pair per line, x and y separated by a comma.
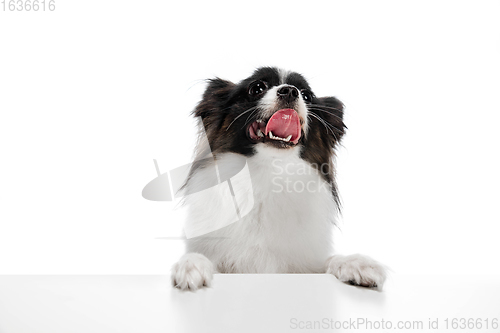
x,y
92,92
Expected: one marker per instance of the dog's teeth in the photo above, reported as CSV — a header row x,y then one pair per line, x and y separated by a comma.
x,y
274,137
259,133
260,121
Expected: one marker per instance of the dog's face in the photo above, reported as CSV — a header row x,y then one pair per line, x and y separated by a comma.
x,y
272,107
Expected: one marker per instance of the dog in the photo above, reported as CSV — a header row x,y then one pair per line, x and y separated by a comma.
x,y
288,137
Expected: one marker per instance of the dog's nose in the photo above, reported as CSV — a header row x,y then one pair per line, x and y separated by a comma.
x,y
288,93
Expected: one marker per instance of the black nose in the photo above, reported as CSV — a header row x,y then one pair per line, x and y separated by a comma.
x,y
288,93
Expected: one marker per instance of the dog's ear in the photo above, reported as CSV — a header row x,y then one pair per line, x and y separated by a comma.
x,y
216,94
332,105
332,111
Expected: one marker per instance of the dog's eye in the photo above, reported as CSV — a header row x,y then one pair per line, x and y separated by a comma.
x,y
306,95
257,88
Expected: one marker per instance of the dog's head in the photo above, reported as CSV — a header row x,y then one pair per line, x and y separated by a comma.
x,y
272,107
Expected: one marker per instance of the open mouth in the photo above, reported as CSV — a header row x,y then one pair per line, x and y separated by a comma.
x,y
283,127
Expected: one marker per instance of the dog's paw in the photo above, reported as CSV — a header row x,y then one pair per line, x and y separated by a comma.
x,y
358,270
192,272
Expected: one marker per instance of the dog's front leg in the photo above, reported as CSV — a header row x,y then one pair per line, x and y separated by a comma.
x,y
192,271
357,269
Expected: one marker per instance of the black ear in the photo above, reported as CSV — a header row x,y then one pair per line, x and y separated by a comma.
x,y
332,111
216,95
333,106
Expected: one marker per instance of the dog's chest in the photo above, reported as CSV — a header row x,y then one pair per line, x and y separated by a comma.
x,y
289,193
288,228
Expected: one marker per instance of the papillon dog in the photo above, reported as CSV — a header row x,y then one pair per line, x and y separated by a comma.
x,y
288,137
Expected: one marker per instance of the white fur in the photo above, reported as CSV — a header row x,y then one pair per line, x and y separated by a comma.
x,y
357,269
192,271
283,74
285,232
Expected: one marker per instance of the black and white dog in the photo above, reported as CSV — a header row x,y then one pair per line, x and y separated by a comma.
x,y
288,137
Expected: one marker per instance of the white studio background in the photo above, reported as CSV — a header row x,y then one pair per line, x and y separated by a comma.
x,y
91,93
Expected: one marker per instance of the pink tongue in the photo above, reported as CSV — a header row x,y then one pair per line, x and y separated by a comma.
x,y
284,123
